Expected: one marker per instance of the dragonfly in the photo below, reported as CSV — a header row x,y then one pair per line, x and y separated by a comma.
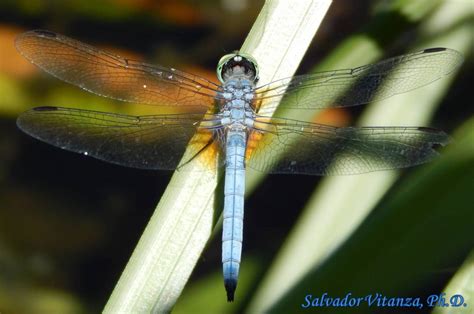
x,y
224,125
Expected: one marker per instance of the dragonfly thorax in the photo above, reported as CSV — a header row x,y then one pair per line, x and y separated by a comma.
x,y
237,115
237,88
236,97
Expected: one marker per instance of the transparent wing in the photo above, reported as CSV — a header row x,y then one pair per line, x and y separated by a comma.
x,y
290,146
351,87
148,142
111,76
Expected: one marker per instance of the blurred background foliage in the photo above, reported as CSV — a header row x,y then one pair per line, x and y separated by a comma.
x,y
68,224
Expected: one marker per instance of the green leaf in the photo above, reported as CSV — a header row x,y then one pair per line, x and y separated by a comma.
x,y
409,240
341,204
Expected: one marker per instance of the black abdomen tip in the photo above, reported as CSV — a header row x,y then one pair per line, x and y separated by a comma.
x,y
430,50
44,33
230,285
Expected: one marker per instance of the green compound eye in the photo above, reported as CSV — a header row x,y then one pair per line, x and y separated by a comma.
x,y
235,57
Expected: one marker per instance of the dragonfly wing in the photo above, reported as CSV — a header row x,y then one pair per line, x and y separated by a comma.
x,y
351,87
111,76
147,142
295,147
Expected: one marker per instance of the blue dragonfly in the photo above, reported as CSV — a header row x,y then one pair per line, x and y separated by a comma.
x,y
224,125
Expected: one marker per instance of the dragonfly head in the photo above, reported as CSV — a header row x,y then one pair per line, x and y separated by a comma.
x,y
237,63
